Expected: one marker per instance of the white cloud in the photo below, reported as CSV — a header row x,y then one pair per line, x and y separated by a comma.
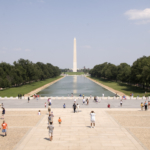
x,y
27,50
140,16
135,14
17,49
86,46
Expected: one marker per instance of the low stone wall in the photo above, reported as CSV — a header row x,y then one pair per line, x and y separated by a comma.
x,y
72,98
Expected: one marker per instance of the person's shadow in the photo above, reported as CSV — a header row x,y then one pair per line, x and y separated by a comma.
x,y
46,139
1,135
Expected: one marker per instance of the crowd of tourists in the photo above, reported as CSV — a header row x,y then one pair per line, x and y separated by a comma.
x,y
4,125
145,106
76,109
50,126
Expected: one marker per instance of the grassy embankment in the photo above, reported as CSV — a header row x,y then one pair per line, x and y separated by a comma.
x,y
24,89
74,73
127,89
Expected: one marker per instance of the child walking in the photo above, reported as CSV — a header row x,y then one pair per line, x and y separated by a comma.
x,y
39,112
45,104
59,121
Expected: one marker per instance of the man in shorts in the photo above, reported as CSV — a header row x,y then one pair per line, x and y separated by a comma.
x,y
92,115
49,109
51,128
50,118
4,127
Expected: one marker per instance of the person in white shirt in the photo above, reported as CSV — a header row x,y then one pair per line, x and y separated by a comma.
x,y
83,100
78,107
102,95
75,100
39,113
92,115
50,101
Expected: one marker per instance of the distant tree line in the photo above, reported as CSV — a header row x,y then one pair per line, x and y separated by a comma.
x,y
137,74
25,71
85,70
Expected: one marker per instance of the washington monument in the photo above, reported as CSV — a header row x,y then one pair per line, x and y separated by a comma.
x,y
74,57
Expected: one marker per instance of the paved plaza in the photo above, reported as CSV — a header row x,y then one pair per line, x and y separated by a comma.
x,y
116,128
74,133
58,103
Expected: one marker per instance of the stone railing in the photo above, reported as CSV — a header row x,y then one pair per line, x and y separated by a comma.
x,y
74,97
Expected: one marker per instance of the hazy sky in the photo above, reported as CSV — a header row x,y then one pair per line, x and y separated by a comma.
x,y
112,31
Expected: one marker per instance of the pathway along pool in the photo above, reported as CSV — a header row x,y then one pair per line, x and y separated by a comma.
x,y
76,85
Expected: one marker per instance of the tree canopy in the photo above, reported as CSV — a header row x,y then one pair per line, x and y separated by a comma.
x,y
25,71
138,73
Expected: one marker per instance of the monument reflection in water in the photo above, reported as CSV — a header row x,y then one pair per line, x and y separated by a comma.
x,y
76,85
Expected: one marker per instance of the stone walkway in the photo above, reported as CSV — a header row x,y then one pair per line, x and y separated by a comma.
x,y
75,133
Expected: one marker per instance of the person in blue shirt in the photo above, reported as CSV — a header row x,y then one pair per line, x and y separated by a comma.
x,y
64,106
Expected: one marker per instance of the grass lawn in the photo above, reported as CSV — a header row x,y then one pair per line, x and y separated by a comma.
x,y
24,89
74,73
127,89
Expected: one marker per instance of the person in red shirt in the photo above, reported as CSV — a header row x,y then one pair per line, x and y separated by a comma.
x,y
4,127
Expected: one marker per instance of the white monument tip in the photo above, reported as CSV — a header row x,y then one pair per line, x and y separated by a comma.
x,y
75,57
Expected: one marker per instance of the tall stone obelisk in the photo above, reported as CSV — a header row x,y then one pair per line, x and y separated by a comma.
x,y
74,57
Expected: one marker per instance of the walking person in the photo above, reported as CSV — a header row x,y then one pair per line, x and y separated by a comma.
x,y
39,112
83,100
92,115
145,106
64,106
4,127
28,99
87,101
51,128
50,118
142,106
59,121
116,95
3,112
50,101
78,107
121,103
49,109
74,107
45,104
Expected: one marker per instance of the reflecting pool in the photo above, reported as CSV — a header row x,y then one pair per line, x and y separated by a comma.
x,y
76,85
